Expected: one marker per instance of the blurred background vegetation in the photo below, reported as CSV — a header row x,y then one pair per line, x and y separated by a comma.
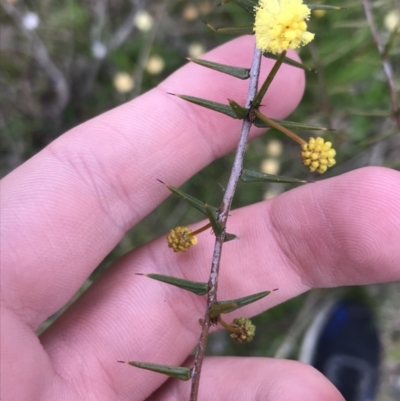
x,y
63,63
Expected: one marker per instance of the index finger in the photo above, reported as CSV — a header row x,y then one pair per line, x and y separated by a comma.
x,y
67,207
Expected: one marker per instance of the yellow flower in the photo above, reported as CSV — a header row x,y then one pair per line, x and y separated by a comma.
x,y
318,155
244,330
180,238
280,25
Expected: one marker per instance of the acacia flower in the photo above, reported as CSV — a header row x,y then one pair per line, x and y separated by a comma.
x,y
244,330
281,25
318,155
181,238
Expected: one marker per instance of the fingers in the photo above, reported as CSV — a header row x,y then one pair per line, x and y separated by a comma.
x,y
333,232
344,231
66,208
26,369
251,379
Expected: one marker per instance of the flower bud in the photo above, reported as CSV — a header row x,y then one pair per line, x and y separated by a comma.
x,y
179,239
245,330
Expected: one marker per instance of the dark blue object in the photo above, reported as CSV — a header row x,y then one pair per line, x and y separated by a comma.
x,y
347,350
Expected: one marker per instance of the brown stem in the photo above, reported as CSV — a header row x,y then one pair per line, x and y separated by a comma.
x,y
279,127
222,218
228,326
200,230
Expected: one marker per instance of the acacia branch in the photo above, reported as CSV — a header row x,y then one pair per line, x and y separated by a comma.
x,y
222,218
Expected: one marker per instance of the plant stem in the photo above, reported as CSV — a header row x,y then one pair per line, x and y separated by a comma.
x,y
279,127
387,67
200,230
228,327
222,218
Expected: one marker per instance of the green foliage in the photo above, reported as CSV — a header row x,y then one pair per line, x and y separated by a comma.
x,y
191,200
233,304
215,224
177,372
287,60
209,104
233,30
255,176
241,73
192,286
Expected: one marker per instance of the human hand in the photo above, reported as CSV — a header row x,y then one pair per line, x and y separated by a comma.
x,y
66,208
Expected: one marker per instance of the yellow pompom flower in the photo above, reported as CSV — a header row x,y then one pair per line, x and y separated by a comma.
x,y
280,25
318,155
181,238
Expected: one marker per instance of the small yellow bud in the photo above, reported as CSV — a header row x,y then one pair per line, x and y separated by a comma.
x,y
318,155
245,330
179,239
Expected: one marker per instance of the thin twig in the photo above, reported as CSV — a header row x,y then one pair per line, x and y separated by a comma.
x,y
387,67
222,218
100,12
145,51
125,29
322,87
117,39
39,52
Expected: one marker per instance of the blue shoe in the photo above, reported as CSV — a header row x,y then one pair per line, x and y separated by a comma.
x,y
343,344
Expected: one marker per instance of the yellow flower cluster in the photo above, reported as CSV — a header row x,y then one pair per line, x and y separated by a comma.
x,y
247,330
280,25
179,239
318,155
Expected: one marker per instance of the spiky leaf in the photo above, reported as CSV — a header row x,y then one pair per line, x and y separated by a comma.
x,y
229,237
255,176
237,72
233,304
208,104
193,286
233,30
324,7
240,111
287,61
177,372
215,224
196,203
221,307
